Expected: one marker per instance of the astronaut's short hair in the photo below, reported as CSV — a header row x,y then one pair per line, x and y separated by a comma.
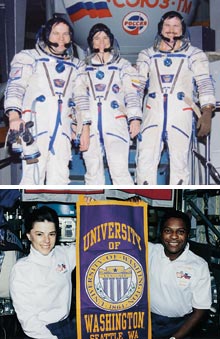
x,y
99,28
172,213
46,29
170,15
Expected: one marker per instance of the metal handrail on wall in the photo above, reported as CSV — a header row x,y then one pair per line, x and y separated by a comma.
x,y
205,161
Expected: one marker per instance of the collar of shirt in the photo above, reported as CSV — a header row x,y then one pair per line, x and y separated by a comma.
x,y
44,260
180,258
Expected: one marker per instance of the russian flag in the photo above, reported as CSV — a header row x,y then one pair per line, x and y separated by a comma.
x,y
80,9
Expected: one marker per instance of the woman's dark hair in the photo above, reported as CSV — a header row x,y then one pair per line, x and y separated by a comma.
x,y
43,213
99,28
178,215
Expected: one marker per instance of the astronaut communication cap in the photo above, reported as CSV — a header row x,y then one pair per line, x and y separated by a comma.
x,y
170,15
99,28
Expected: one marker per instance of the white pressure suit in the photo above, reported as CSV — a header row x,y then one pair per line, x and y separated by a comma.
x,y
40,87
166,116
114,103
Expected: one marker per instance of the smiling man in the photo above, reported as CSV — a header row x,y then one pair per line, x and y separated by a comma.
x,y
179,281
44,85
172,70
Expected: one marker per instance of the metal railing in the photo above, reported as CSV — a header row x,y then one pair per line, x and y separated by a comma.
x,y
205,161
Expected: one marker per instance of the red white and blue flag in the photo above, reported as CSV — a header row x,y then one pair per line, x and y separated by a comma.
x,y
112,284
94,9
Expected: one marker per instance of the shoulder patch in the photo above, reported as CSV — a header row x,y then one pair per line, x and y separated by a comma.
x,y
15,73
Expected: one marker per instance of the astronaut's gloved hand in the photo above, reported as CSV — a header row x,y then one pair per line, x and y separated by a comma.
x,y
205,121
134,128
15,121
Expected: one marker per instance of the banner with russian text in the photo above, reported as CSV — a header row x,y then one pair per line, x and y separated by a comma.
x,y
111,273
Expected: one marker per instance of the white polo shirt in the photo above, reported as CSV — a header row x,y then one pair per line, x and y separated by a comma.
x,y
178,286
41,289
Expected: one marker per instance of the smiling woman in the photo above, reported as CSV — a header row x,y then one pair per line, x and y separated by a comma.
x,y
40,284
43,236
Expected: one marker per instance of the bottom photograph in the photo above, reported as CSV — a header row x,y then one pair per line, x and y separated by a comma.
x,y
109,263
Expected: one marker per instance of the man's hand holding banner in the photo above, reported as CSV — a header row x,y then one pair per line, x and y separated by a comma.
x,y
112,286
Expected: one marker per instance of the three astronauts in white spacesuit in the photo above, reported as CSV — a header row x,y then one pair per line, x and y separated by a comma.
x,y
43,84
115,109
173,69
